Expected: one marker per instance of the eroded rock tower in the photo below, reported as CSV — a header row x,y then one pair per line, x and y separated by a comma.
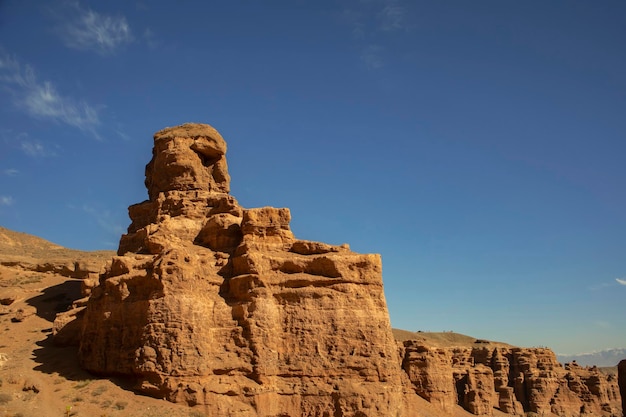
x,y
210,303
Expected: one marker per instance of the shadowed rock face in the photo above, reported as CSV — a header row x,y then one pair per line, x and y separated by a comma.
x,y
210,303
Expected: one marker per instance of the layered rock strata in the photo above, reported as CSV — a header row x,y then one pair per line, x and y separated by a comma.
x,y
513,380
210,303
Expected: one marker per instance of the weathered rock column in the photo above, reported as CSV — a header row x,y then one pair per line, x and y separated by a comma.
x,y
209,303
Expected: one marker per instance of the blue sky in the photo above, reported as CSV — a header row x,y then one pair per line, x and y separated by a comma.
x,y
477,145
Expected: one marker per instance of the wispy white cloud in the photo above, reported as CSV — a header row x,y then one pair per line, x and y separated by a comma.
x,y
372,56
122,134
621,281
393,16
369,20
35,149
6,200
356,20
85,29
41,99
367,17
11,172
150,38
105,219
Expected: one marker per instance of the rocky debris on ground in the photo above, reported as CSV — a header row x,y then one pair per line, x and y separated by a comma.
x,y
9,295
23,313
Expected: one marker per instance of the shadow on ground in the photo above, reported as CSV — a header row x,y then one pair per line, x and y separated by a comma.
x,y
52,358
56,299
63,361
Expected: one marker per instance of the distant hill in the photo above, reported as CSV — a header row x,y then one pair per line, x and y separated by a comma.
x,y
444,339
21,251
18,246
603,358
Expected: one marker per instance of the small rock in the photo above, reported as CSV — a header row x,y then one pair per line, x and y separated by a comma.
x,y
9,296
23,313
30,385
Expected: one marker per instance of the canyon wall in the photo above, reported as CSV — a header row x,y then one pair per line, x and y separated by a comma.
x,y
511,379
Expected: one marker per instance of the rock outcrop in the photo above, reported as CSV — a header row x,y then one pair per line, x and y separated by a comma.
x,y
513,380
210,303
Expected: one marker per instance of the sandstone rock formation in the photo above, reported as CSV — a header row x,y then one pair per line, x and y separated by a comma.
x,y
513,380
210,303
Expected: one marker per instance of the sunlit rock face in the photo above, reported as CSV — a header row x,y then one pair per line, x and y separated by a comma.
x,y
210,303
512,379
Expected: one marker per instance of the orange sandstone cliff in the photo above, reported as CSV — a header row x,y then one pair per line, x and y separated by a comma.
x,y
513,380
211,303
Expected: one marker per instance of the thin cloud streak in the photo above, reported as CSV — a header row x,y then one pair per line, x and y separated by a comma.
x,y
371,57
354,19
6,200
393,17
621,281
89,30
11,172
35,149
41,99
150,38
104,219
368,20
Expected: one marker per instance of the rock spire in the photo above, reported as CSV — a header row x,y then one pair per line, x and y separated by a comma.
x,y
210,303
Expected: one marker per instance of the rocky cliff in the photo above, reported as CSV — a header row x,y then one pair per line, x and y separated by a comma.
x,y
510,379
209,303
